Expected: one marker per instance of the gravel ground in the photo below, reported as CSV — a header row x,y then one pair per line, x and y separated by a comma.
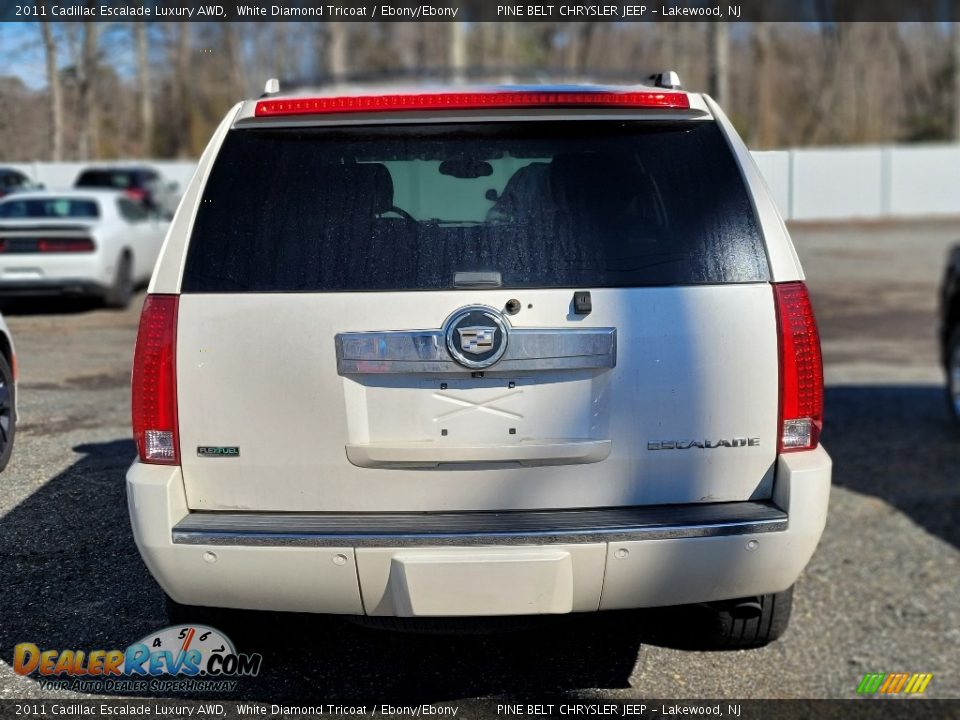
x,y
882,593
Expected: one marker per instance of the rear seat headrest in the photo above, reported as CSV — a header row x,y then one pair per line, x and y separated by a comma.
x,y
373,184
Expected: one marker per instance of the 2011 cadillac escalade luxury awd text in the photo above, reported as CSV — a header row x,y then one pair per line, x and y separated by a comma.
x,y
510,351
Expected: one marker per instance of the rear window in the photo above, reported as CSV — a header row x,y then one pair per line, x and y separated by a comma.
x,y
518,204
49,208
119,180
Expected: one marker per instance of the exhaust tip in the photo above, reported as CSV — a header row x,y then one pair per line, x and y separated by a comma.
x,y
746,608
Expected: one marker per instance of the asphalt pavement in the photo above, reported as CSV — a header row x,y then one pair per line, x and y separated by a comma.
x,y
882,593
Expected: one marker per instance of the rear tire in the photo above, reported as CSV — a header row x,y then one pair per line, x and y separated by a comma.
x,y
121,292
8,415
953,372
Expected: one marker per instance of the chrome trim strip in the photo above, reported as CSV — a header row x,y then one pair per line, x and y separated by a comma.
x,y
424,351
413,529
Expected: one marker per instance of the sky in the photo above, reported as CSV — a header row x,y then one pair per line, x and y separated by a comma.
x,y
21,51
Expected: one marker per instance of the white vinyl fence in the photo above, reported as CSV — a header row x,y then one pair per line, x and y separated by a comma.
x,y
841,183
835,183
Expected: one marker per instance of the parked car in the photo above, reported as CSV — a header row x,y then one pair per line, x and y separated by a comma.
x,y
12,180
950,329
497,352
8,394
144,184
92,242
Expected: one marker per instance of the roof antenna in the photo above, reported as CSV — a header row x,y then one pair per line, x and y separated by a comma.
x,y
667,79
271,87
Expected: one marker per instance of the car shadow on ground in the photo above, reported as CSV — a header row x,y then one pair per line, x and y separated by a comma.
x,y
898,444
74,580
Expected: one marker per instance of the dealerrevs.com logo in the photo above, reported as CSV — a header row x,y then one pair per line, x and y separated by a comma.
x,y
187,658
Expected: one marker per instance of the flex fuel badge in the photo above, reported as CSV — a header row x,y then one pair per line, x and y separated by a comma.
x,y
218,451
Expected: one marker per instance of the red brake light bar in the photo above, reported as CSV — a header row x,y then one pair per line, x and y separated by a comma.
x,y
470,101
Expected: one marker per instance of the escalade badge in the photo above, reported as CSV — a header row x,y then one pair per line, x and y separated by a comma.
x,y
476,336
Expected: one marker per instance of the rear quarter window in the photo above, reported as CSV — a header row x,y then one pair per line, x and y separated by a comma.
x,y
536,204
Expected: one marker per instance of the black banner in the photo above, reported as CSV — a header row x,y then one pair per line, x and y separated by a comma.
x,y
648,11
641,709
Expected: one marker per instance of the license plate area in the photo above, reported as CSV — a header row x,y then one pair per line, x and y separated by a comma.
x,y
470,411
481,581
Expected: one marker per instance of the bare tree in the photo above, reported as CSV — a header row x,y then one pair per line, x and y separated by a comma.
x,y
145,94
508,48
763,130
336,51
579,44
87,92
181,90
281,51
719,62
458,52
235,65
53,91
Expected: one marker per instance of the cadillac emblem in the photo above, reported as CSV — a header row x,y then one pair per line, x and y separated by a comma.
x,y
476,336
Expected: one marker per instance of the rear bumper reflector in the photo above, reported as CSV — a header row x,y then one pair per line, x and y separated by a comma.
x,y
509,527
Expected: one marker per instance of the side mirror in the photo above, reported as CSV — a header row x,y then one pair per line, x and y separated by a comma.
x,y
173,186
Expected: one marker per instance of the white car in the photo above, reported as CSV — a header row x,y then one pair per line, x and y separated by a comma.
x,y
91,242
486,352
8,394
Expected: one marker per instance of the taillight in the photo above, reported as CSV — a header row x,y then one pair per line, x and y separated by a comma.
x,y
154,382
801,369
65,245
470,101
137,194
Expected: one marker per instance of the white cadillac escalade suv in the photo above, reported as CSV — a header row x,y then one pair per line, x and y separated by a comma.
x,y
485,352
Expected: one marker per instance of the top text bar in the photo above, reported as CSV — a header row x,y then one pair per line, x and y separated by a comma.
x,y
828,11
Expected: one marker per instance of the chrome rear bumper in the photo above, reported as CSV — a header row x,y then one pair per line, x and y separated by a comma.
x,y
514,527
